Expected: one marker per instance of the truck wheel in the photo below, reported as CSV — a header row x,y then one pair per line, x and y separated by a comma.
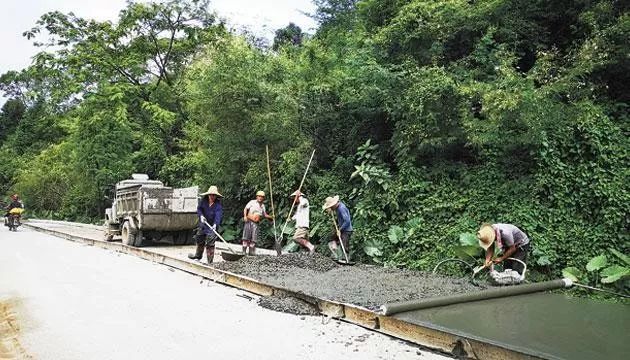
x,y
138,238
128,235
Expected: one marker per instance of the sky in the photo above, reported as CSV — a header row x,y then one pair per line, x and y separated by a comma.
x,y
261,16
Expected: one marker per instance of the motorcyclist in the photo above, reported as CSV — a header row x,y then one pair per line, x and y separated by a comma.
x,y
15,203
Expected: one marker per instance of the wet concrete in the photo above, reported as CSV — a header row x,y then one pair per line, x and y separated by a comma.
x,y
552,326
363,285
288,304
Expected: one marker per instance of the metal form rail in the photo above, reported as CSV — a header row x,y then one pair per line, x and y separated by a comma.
x,y
425,334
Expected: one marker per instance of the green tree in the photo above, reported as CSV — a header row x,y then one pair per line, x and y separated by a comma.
x,y
289,35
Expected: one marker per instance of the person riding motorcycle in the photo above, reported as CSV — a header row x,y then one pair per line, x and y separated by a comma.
x,y
15,204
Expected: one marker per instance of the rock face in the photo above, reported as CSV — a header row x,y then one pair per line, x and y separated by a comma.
x,y
364,285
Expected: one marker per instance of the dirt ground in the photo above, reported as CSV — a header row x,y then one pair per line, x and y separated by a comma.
x,y
363,285
10,347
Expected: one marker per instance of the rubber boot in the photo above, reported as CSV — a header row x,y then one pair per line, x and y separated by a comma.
x,y
252,250
210,254
198,253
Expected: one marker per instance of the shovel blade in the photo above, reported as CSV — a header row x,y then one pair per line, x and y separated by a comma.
x,y
228,256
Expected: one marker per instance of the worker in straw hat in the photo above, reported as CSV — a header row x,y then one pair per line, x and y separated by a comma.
x,y
512,242
253,213
344,224
301,218
210,213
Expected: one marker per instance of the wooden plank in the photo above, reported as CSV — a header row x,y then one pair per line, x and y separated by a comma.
x,y
361,317
331,309
249,285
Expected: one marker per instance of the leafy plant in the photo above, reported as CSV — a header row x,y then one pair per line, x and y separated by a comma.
x,y
600,268
468,248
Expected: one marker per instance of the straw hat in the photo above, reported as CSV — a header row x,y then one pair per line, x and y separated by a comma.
x,y
486,236
295,193
330,202
260,193
212,190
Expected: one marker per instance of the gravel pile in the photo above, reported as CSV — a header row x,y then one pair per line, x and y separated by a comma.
x,y
288,304
364,285
270,265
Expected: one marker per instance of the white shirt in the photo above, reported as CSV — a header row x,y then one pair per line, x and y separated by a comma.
x,y
302,213
255,207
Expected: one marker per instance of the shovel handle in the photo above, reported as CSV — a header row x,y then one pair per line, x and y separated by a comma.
x,y
345,254
219,236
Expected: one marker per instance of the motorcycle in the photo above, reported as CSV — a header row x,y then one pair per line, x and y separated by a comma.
x,y
14,217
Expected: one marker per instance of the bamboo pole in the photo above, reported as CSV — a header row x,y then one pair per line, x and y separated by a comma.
x,y
273,210
278,250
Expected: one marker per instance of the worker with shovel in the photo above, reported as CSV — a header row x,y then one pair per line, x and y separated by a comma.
x,y
253,213
301,218
210,213
513,243
343,226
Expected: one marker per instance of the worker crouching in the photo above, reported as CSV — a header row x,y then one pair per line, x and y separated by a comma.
x,y
210,213
253,213
514,245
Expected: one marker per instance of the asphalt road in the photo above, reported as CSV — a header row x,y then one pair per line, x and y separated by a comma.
x,y
72,301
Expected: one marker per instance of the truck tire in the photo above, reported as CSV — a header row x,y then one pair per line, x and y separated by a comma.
x,y
128,234
139,239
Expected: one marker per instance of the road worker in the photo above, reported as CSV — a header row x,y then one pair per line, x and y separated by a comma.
x,y
301,217
511,241
343,229
210,213
253,213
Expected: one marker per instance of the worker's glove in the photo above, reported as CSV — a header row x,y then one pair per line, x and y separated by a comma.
x,y
202,219
214,227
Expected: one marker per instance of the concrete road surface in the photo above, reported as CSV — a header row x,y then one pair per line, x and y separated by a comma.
x,y
71,301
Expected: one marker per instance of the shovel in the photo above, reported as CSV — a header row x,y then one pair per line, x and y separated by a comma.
x,y
343,248
232,256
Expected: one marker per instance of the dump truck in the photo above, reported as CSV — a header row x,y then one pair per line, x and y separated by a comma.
x,y
146,212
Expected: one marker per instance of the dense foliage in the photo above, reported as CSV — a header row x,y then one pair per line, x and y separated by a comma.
x,y
428,118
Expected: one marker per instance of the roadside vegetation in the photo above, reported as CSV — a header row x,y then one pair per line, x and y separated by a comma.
x,y
427,117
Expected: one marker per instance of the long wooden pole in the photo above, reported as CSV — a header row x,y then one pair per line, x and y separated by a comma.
x,y
278,250
273,210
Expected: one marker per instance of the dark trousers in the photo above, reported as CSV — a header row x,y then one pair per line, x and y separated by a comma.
x,y
203,239
345,237
520,254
